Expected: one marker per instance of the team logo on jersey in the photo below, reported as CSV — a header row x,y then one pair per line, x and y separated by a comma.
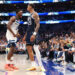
x,y
17,22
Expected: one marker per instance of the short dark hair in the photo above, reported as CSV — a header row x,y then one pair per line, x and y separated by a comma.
x,y
32,5
18,10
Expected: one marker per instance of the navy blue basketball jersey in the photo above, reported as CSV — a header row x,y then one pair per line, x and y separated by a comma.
x,y
30,30
31,23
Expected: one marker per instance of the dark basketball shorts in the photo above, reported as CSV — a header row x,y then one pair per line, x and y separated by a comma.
x,y
36,41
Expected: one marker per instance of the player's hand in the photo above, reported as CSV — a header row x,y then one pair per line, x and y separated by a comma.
x,y
32,38
18,35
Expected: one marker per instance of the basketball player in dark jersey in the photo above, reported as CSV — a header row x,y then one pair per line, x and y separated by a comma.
x,y
30,37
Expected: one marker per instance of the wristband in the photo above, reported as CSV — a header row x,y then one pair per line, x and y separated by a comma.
x,y
34,33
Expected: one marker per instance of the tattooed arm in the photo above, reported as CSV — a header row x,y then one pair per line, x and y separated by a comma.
x,y
37,21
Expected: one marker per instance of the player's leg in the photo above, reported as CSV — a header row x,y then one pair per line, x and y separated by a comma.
x,y
37,52
38,56
30,52
31,56
29,46
10,66
9,56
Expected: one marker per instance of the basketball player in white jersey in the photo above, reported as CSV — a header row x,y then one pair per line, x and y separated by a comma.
x,y
12,35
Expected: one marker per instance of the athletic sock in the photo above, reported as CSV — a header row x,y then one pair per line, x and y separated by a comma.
x,y
10,61
33,64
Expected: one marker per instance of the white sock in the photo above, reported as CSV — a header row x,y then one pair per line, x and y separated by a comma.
x,y
9,61
12,58
38,55
33,63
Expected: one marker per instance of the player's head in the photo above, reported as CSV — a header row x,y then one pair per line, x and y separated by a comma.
x,y
30,7
19,12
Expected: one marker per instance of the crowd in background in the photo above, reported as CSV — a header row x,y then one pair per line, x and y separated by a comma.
x,y
56,46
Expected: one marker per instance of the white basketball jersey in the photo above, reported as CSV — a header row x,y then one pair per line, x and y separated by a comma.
x,y
14,28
